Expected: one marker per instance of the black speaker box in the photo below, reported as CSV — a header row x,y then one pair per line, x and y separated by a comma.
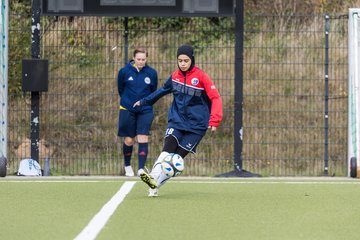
x,y
35,75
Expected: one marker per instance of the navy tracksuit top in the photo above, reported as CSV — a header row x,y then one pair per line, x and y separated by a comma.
x,y
134,85
196,105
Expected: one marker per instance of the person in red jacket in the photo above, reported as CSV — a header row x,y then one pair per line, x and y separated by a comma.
x,y
196,106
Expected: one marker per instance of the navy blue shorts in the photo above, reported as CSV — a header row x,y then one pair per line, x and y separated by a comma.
x,y
133,124
186,140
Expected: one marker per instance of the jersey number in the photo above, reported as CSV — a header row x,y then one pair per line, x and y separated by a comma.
x,y
169,131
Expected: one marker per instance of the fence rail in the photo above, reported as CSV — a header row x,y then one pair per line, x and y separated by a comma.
x,y
283,82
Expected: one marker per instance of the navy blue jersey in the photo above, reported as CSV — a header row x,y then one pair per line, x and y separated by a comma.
x,y
134,85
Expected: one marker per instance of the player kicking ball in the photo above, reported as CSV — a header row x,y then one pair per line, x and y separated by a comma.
x,y
196,106
165,168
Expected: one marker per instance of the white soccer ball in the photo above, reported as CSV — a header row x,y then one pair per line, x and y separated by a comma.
x,y
172,165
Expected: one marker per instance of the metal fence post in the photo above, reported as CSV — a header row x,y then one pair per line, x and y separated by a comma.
x,y
238,116
326,116
238,96
35,96
4,52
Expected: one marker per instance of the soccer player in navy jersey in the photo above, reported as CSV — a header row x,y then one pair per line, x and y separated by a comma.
x,y
196,106
136,80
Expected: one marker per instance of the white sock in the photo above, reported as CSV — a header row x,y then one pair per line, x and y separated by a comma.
x,y
157,169
162,179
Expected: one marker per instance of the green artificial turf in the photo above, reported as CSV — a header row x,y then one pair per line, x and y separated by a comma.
x,y
186,209
239,211
50,210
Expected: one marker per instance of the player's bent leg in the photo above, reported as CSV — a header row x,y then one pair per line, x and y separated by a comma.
x,y
164,175
162,179
157,169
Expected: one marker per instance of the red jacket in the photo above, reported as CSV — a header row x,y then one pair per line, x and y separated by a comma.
x,y
197,103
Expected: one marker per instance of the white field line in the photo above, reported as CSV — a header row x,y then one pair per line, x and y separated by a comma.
x,y
195,180
99,220
268,182
55,181
205,182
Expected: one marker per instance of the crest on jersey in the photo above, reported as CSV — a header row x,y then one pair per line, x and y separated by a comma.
x,y
194,81
130,78
147,80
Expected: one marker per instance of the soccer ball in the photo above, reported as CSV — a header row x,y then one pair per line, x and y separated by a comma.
x,y
172,165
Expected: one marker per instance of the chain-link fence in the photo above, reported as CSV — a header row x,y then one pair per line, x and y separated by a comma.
x,y
283,80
